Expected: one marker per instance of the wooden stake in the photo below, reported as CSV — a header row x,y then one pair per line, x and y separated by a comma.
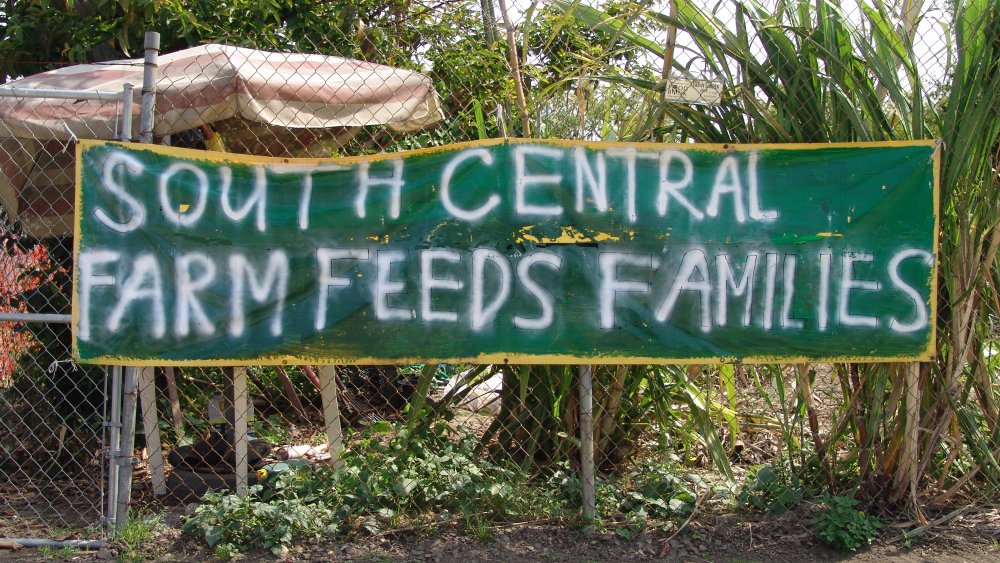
x,y
331,413
151,429
587,442
240,427
176,417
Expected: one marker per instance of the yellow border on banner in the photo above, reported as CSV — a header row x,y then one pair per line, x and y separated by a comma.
x,y
513,358
77,220
196,154
499,358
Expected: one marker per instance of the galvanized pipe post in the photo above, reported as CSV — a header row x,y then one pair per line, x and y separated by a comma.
x,y
114,441
130,388
149,76
587,442
130,399
126,132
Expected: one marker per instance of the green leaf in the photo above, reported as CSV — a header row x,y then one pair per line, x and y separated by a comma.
x,y
213,534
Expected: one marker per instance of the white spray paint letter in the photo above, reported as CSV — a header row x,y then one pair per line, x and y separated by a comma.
x,y
694,262
672,188
143,283
726,280
847,283
187,304
393,181
770,282
325,257
428,283
88,263
756,213
274,280
823,308
630,156
587,177
545,299
483,315
137,214
727,181
258,198
470,215
522,180
788,290
173,211
385,286
608,263
919,305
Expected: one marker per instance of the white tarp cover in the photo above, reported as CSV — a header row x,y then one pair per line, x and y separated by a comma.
x,y
197,86
209,83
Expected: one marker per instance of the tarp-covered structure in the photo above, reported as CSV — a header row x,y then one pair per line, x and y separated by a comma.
x,y
258,102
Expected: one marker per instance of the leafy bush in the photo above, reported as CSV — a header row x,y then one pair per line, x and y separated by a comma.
x,y
652,493
384,479
425,474
233,523
841,525
658,491
771,488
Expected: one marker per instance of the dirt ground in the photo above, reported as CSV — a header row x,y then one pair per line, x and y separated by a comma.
x,y
973,536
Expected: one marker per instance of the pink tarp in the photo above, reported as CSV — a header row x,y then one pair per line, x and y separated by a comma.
x,y
260,102
210,83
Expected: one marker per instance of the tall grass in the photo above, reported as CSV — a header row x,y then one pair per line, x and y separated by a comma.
x,y
804,71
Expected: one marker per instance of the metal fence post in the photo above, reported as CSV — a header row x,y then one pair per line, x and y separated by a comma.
x,y
130,399
114,441
587,442
149,76
126,133
123,461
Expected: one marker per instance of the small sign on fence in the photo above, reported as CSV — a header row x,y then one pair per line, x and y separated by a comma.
x,y
508,250
705,92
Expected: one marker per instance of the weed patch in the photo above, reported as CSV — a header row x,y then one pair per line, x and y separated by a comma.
x,y
843,526
420,476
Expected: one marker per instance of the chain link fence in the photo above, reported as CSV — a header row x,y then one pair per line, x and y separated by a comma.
x,y
53,456
614,71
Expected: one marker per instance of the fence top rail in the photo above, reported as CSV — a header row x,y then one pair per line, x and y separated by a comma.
x,y
35,318
56,93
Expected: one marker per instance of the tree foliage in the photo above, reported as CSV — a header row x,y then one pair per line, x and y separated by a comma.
x,y
445,39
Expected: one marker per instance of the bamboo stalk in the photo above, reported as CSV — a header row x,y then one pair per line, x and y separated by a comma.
x,y
906,477
984,391
805,389
889,459
291,394
601,400
609,416
954,438
515,69
864,444
668,61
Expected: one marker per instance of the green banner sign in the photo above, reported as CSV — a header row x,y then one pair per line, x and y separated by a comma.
x,y
507,251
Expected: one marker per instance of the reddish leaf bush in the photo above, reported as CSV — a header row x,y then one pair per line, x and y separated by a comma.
x,y
22,269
